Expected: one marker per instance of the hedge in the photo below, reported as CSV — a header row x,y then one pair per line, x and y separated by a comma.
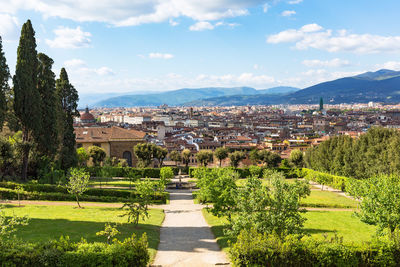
x,y
245,172
255,249
60,193
334,181
127,172
63,252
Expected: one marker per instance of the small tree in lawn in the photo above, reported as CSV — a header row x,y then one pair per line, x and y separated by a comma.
x,y
8,224
138,208
166,174
236,157
19,190
78,183
204,157
175,156
160,154
221,153
109,231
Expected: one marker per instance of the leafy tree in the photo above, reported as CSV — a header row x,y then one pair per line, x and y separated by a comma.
x,y
27,102
47,140
144,152
109,231
236,157
166,174
68,103
269,158
221,153
186,156
6,156
97,154
255,171
138,208
82,156
204,157
380,202
296,158
78,183
175,156
4,86
270,209
160,154
254,156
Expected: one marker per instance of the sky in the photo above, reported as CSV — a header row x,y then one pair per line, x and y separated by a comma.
x,y
157,45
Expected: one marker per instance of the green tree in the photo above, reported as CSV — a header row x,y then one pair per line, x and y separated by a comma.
x,y
254,156
186,156
296,158
6,156
204,157
4,86
27,102
144,152
160,154
82,156
97,154
68,103
236,157
221,153
321,104
109,231
380,202
175,156
271,159
78,183
138,208
47,141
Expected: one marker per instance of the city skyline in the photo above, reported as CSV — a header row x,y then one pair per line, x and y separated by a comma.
x,y
166,45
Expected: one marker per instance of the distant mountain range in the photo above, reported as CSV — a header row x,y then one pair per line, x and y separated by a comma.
x,y
182,96
379,86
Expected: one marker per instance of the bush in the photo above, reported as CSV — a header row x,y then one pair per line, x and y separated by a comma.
x,y
337,182
255,249
130,252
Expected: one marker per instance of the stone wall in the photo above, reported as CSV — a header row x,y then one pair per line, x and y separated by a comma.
x,y
117,148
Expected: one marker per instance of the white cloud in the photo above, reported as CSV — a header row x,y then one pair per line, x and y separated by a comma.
x,y
8,26
295,2
336,62
314,76
133,12
205,25
314,36
73,63
69,38
201,26
266,6
160,55
288,13
391,65
173,22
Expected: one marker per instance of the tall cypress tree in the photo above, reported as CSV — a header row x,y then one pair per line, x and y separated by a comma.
x,y
68,97
26,95
4,87
47,141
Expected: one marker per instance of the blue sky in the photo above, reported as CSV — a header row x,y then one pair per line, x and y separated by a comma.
x,y
157,45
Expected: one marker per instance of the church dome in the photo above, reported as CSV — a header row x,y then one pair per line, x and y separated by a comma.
x,y
87,117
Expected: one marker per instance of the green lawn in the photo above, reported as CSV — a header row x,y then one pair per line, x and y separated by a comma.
x,y
50,222
328,199
114,182
319,224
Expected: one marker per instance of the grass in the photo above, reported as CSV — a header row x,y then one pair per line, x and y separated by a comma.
x,y
114,182
328,199
50,222
319,224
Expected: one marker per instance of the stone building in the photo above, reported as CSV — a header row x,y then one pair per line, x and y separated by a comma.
x,y
116,141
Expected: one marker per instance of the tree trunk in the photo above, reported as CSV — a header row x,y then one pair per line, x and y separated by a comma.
x,y
77,200
220,163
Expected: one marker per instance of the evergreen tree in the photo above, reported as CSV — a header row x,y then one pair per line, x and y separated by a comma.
x,y
48,138
26,95
68,97
321,104
4,87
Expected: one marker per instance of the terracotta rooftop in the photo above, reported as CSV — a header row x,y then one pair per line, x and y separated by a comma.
x,y
98,134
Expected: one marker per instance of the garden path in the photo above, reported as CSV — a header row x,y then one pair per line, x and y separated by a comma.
x,y
186,238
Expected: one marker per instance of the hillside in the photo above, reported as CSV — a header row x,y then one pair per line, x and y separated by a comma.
x,y
181,96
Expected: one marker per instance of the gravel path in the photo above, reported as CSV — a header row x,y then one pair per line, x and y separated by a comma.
x,y
186,238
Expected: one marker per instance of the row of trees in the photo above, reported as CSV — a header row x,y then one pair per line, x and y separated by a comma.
x,y
38,105
376,152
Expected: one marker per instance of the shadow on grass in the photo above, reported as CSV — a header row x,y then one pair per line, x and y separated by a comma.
x,y
222,240
312,231
47,229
